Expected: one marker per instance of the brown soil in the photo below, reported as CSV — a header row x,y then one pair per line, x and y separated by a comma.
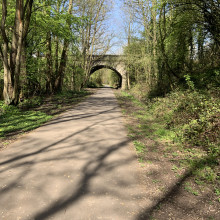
x,y
171,189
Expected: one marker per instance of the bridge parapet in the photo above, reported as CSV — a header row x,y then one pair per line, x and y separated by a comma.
x,y
109,58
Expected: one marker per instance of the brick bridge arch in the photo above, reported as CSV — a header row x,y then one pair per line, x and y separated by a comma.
x,y
113,62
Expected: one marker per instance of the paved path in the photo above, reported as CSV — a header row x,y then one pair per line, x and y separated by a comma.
x,y
78,166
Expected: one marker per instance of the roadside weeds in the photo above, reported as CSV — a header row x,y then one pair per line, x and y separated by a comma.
x,y
183,181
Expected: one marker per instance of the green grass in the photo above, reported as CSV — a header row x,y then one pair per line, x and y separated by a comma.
x,y
175,168
26,117
140,147
14,120
217,193
191,190
31,103
72,95
155,181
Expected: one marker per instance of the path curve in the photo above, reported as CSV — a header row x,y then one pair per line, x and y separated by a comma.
x,y
78,166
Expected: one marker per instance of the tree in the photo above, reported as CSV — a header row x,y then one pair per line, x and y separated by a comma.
x,y
177,38
94,37
63,60
54,32
13,43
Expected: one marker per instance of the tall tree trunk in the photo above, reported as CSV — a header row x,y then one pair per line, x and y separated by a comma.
x,y
162,35
12,52
89,46
63,60
49,59
49,66
56,58
23,73
154,43
73,80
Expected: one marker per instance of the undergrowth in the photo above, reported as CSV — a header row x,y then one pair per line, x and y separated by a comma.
x,y
193,116
187,123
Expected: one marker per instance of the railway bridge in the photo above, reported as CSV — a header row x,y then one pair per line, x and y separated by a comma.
x,y
113,62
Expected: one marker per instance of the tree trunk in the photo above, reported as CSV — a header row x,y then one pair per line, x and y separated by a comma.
x,y
63,61
154,22
23,73
73,84
49,67
11,53
56,57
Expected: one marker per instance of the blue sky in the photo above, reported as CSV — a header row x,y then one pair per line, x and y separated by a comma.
x,y
115,25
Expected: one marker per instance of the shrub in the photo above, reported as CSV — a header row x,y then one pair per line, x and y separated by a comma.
x,y
197,118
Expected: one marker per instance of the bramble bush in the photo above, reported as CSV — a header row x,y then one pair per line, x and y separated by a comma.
x,y
197,119
194,115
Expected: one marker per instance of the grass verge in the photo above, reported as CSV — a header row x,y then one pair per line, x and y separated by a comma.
x,y
14,120
32,113
185,126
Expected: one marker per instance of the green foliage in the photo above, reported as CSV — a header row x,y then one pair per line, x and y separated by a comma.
x,y
104,77
31,103
189,83
217,192
192,115
74,77
188,123
91,84
51,26
140,147
177,48
190,189
29,114
197,120
56,21
95,80
113,80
